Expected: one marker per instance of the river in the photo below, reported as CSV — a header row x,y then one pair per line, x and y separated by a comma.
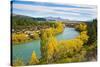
x,y
24,50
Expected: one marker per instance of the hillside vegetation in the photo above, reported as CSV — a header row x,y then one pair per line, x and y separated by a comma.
x,y
80,49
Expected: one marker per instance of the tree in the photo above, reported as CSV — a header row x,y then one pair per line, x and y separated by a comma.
x,y
44,38
92,31
83,36
81,27
68,48
51,49
19,37
59,27
33,59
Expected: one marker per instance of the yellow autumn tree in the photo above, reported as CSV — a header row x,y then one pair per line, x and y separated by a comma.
x,y
59,27
19,37
83,36
51,49
44,38
81,27
50,32
35,35
45,34
33,59
69,47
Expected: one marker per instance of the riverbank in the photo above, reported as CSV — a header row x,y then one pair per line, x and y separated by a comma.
x,y
75,49
24,50
21,37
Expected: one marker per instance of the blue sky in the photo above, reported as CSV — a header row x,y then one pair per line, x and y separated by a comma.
x,y
65,11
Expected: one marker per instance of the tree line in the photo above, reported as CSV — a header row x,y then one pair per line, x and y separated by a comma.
x,y
74,50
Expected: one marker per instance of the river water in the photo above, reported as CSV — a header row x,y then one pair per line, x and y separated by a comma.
x,y
24,50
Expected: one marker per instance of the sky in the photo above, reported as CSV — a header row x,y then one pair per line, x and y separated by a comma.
x,y
73,12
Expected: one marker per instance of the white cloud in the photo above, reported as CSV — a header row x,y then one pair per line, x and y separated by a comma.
x,y
64,11
40,9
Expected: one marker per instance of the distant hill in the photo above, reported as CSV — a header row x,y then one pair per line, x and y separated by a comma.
x,y
49,18
40,18
27,17
54,18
